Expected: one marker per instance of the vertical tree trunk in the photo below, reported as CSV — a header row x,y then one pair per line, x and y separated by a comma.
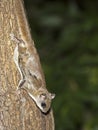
x,y
17,111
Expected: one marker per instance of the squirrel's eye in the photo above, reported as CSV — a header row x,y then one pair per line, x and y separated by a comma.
x,y
43,104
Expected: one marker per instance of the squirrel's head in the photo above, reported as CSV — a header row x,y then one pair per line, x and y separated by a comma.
x,y
42,99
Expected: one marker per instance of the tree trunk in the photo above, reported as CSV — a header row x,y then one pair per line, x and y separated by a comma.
x,y
17,111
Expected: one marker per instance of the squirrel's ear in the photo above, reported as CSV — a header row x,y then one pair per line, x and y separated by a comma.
x,y
43,96
52,95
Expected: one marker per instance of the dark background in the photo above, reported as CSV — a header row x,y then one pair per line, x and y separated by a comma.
x,y
66,37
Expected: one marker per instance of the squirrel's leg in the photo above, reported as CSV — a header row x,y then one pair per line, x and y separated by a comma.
x,y
16,60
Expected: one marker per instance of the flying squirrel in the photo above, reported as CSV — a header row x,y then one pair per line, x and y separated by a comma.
x,y
28,64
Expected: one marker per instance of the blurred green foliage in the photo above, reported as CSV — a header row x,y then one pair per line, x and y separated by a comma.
x,y
66,37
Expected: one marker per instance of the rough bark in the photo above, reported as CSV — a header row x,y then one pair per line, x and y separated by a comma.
x,y
17,111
